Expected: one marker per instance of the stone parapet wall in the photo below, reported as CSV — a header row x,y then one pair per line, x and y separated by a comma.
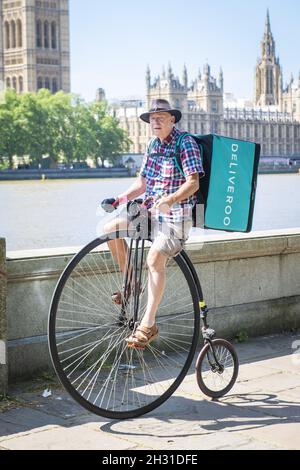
x,y
250,283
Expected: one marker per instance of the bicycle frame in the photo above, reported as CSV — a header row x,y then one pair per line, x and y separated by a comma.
x,y
207,332
134,279
202,304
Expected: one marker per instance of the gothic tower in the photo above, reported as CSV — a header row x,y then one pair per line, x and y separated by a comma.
x,y
268,75
206,92
34,45
168,87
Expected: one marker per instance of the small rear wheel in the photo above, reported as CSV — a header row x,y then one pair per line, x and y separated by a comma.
x,y
217,368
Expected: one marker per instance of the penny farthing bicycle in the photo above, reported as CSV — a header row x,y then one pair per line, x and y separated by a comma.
x,y
87,331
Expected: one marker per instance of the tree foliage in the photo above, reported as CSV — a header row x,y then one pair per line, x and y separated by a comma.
x,y
59,128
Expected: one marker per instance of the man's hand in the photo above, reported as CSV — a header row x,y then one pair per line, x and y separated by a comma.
x,y
164,204
187,190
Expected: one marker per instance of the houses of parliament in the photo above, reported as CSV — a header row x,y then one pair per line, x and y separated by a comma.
x,y
35,54
34,45
273,119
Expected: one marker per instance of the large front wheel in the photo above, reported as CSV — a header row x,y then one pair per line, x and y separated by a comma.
x,y
87,339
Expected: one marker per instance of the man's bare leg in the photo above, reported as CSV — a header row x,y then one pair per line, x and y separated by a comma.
x,y
156,262
156,285
118,248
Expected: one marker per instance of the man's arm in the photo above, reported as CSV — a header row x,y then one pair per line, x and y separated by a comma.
x,y
188,188
136,189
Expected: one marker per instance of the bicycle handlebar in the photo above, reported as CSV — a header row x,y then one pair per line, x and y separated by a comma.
x,y
110,205
133,207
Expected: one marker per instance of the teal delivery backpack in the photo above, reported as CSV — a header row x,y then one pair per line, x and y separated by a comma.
x,y
228,188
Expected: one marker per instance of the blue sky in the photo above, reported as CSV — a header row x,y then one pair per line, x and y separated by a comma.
x,y
112,42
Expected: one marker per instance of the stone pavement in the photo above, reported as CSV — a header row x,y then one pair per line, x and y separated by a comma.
x,y
261,412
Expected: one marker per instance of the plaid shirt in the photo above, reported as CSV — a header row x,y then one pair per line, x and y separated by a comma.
x,y
163,176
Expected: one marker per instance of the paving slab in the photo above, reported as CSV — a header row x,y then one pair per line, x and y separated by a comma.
x,y
282,434
262,411
58,404
75,438
26,420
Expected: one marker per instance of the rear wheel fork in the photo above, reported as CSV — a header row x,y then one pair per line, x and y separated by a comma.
x,y
208,335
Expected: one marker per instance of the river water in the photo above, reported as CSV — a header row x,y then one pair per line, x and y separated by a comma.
x,y
48,214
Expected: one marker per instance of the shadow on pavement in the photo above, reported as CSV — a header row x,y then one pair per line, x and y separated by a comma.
x,y
238,411
245,411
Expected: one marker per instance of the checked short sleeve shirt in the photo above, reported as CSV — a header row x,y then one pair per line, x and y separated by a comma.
x,y
163,176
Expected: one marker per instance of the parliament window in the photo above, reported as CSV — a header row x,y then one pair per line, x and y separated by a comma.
x,y
13,34
7,35
53,35
264,132
20,84
47,83
270,82
54,85
39,33
46,35
39,83
19,33
214,106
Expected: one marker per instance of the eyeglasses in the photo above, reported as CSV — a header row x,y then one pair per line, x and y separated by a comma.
x,y
158,118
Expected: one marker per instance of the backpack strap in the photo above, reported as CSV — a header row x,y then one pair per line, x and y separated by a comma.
x,y
151,145
178,163
177,156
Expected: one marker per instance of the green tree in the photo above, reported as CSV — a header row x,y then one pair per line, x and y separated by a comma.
x,y
33,116
55,107
61,127
81,130
12,137
109,140
71,124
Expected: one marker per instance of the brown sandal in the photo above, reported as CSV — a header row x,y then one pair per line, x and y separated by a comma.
x,y
142,337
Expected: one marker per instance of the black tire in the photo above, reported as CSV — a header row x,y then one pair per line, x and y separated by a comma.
x,y
204,371
152,382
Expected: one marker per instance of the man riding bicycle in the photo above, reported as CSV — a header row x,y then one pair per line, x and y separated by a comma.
x,y
170,196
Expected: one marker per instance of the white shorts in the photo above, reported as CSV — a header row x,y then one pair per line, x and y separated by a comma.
x,y
169,238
